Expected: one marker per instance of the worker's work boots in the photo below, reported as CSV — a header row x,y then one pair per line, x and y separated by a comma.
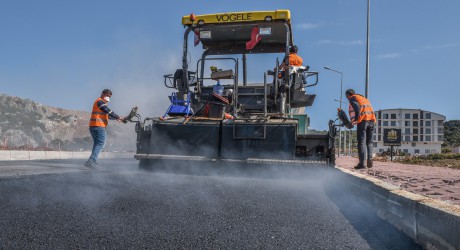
x,y
369,163
359,166
91,165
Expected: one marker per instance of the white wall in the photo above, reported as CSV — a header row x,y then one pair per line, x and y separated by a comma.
x,y
434,148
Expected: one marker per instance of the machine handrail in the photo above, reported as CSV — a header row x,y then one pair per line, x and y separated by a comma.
x,y
308,74
171,85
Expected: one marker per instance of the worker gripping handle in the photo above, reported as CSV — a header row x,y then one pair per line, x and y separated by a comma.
x,y
131,115
344,119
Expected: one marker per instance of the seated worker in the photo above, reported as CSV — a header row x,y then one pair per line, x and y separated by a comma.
x,y
294,59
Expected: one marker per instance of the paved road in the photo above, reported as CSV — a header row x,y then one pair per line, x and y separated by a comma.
x,y
119,206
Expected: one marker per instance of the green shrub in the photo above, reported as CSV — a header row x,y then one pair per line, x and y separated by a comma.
x,y
446,150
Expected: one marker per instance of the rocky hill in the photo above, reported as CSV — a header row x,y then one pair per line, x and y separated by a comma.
x,y
28,124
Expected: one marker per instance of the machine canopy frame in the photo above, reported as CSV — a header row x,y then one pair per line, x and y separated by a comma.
x,y
228,33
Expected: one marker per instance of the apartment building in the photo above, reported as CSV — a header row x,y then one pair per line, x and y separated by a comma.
x,y
422,132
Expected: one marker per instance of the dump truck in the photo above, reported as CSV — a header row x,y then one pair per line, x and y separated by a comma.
x,y
217,116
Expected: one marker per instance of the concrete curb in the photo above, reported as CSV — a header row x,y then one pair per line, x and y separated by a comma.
x,y
17,155
433,224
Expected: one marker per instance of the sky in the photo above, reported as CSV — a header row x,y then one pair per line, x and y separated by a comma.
x,y
63,53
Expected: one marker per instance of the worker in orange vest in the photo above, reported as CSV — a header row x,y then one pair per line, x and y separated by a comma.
x,y
362,115
100,116
294,59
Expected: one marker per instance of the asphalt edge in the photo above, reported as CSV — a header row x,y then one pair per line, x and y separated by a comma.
x,y
431,223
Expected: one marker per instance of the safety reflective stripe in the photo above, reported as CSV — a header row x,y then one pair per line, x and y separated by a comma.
x,y
98,117
366,112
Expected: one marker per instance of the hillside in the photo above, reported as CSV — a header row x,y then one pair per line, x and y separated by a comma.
x,y
28,124
452,133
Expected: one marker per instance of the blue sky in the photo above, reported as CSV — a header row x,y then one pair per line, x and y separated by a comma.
x,y
63,53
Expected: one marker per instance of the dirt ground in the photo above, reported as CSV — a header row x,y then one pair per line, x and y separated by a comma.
x,y
435,182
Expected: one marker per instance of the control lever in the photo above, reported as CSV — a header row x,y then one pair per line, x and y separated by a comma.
x,y
131,115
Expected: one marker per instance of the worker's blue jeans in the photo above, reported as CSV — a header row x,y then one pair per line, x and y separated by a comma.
x,y
365,131
98,134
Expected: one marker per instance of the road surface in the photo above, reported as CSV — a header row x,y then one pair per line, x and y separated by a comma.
x,y
120,206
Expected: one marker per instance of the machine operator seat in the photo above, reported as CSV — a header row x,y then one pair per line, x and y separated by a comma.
x,y
297,75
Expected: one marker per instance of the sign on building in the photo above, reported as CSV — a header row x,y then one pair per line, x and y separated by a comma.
x,y
391,137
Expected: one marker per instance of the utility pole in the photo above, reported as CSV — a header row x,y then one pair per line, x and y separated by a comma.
x,y
349,142
345,143
367,48
341,93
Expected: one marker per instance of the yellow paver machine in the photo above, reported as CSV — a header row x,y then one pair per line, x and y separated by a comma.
x,y
216,115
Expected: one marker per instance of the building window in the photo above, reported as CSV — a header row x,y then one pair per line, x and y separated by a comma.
x,y
374,144
428,131
440,123
427,137
407,131
374,138
415,138
407,138
427,151
393,123
428,116
428,123
407,123
381,150
406,116
416,151
415,131
440,138
406,151
415,116
380,138
393,116
415,123
385,116
433,151
440,130
413,144
385,123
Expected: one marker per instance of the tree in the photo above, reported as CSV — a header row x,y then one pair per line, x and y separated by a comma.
x,y
452,133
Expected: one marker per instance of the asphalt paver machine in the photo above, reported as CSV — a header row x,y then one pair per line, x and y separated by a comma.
x,y
217,116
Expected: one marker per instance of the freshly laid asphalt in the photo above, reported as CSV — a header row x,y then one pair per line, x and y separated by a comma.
x,y
119,206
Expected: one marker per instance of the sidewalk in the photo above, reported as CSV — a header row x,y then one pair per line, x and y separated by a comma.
x,y
434,182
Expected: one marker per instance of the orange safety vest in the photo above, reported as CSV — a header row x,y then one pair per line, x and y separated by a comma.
x,y
366,113
295,60
98,117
